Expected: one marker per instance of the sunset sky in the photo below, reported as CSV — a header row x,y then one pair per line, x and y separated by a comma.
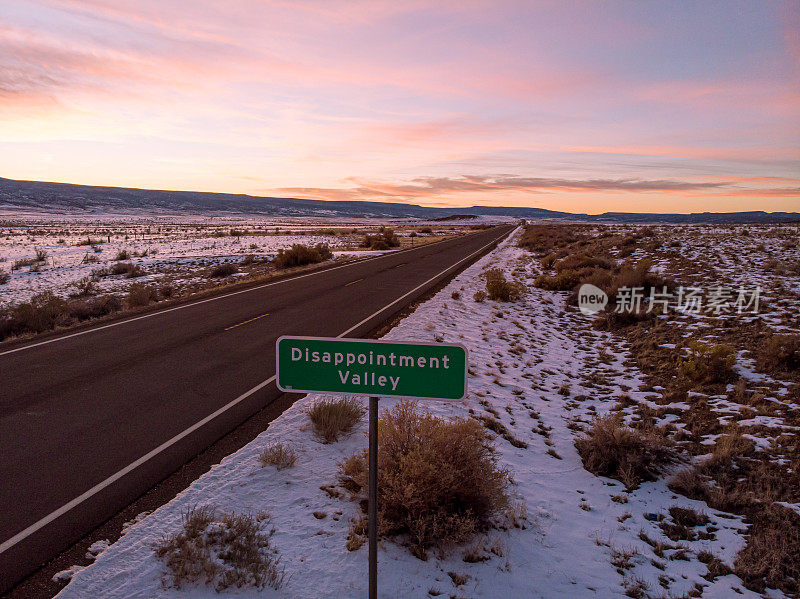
x,y
578,106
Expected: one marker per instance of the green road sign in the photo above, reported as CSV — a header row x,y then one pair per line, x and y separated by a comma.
x,y
367,367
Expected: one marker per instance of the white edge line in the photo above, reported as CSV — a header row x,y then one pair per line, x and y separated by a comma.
x,y
5,545
8,544
198,302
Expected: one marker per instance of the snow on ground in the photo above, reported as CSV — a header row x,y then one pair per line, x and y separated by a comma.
x,y
530,363
164,252
169,249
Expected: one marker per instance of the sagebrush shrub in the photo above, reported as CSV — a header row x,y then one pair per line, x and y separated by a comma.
x,y
779,353
300,255
43,312
385,240
438,481
46,311
630,455
709,363
140,294
223,270
500,289
84,287
565,280
94,307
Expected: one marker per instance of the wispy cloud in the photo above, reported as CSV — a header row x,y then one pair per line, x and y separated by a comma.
x,y
424,187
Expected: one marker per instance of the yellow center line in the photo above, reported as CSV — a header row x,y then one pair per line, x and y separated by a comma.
x,y
352,282
245,322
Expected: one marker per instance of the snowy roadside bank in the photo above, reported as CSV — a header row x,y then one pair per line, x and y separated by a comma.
x,y
529,368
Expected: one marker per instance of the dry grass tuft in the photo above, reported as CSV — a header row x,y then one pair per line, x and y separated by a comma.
x,y
334,417
356,534
771,557
438,481
279,455
221,550
629,455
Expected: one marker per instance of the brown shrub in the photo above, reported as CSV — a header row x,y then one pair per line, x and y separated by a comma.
x,y
131,271
86,309
140,294
300,255
578,262
709,364
44,312
334,417
566,280
221,550
4,277
279,455
84,287
611,320
629,455
223,270
779,354
480,296
438,481
548,261
771,556
500,289
385,240
546,238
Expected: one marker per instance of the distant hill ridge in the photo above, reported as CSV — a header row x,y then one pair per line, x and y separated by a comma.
x,y
69,199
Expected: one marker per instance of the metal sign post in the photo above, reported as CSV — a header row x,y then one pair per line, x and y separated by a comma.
x,y
372,516
372,368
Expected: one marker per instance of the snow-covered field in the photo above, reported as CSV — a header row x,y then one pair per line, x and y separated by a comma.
x,y
178,251
535,368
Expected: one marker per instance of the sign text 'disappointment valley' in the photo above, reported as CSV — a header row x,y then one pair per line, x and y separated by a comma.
x,y
366,367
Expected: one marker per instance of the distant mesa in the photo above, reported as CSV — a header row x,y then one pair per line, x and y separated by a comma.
x,y
42,198
457,217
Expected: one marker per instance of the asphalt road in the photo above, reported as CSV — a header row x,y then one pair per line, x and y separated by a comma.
x,y
91,420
